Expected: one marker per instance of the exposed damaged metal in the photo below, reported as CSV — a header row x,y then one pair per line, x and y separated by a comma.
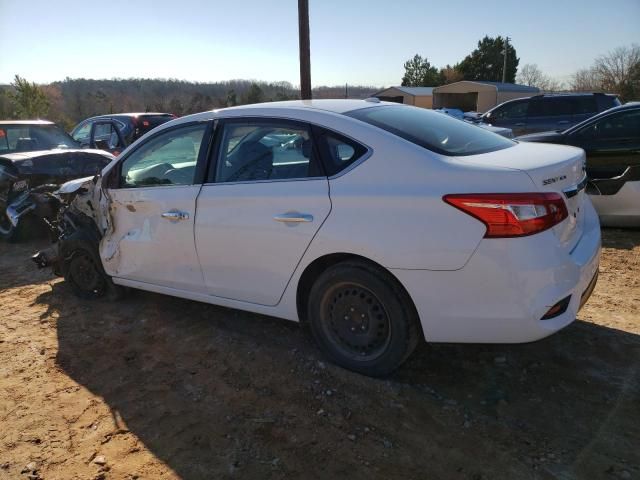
x,y
28,180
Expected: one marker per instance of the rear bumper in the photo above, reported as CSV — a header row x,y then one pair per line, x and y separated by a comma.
x,y
505,289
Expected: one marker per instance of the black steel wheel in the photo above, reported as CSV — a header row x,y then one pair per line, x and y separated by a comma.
x,y
356,321
84,276
362,318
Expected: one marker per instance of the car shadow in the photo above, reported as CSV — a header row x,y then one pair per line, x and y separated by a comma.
x,y
619,238
27,273
220,393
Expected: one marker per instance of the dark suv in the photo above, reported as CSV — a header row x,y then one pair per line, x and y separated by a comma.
x,y
114,133
546,112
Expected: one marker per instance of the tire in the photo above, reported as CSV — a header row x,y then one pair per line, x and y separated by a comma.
x,y
362,319
82,269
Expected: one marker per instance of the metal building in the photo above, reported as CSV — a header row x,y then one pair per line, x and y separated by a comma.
x,y
478,95
418,96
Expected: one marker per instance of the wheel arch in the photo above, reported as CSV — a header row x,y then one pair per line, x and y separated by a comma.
x,y
314,269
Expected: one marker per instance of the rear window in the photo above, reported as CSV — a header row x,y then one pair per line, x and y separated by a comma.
x,y
434,131
29,138
605,102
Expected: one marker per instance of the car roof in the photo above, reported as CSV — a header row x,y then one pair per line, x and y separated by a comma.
x,y
26,122
130,114
329,105
339,106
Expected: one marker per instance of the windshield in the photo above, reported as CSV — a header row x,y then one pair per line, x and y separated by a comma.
x,y
30,138
432,130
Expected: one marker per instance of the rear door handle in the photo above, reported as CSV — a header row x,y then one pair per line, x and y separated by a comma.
x,y
293,217
519,124
563,122
175,215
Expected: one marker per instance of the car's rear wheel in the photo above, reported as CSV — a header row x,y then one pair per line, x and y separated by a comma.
x,y
362,319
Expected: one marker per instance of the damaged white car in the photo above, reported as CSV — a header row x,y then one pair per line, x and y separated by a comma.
x,y
380,225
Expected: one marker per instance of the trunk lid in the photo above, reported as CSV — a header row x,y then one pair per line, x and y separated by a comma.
x,y
552,168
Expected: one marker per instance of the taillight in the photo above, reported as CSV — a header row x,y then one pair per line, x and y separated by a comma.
x,y
512,214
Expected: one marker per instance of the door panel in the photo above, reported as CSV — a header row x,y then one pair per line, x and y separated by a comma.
x,y
153,196
248,254
612,144
149,247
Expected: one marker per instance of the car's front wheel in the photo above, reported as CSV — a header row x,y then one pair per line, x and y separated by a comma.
x,y
362,319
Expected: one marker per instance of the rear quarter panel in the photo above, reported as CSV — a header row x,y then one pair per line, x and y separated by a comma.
x,y
390,207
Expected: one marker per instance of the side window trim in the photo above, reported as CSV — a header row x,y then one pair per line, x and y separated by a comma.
x,y
216,146
115,177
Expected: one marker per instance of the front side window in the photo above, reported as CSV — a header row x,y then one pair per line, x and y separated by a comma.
x,y
169,158
258,149
617,126
511,110
432,130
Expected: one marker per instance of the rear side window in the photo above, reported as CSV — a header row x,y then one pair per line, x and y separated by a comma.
x,y
434,131
582,105
621,125
265,149
550,107
338,152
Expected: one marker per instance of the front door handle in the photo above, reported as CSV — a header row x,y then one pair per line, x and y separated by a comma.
x,y
175,215
519,124
563,122
293,217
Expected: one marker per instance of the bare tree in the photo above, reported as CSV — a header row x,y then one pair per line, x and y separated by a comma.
x,y
619,71
532,76
586,79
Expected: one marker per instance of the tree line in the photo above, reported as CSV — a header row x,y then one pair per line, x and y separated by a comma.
x,y
69,101
615,72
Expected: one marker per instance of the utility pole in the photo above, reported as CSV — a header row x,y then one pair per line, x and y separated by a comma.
x,y
504,65
305,55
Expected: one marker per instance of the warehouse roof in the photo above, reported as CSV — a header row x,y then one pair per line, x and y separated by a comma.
x,y
415,91
500,86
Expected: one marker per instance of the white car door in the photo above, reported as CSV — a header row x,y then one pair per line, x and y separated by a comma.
x,y
153,210
265,199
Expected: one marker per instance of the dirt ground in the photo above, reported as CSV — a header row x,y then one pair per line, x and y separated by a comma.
x,y
157,387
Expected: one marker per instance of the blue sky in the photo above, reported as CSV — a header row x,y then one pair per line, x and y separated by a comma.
x,y
354,41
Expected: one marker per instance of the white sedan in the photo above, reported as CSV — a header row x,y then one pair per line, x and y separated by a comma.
x,y
378,224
